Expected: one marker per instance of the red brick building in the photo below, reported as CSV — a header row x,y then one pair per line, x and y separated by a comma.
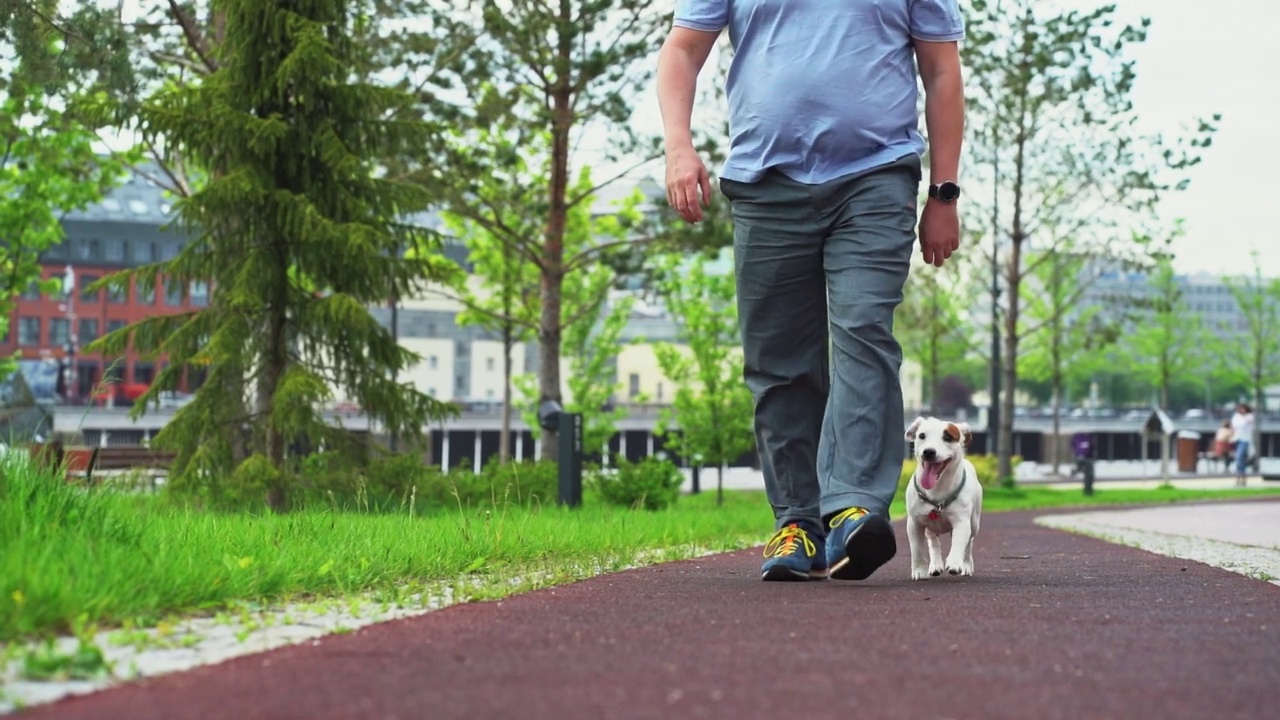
x,y
127,229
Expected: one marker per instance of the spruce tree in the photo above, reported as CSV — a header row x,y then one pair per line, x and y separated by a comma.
x,y
298,234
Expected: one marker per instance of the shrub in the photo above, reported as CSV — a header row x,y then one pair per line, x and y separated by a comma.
x,y
521,483
650,484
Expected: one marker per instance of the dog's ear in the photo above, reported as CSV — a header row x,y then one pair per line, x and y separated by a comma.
x,y
913,427
965,433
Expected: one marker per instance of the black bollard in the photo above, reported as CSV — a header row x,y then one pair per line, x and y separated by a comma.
x,y
570,429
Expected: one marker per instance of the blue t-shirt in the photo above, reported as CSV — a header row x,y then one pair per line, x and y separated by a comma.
x,y
821,89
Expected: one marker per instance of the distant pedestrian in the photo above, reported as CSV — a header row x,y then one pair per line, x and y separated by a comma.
x,y
1222,445
1242,425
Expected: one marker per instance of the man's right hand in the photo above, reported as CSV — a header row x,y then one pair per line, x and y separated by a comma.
x,y
688,184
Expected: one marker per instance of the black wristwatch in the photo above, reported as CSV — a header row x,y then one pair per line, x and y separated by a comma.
x,y
948,192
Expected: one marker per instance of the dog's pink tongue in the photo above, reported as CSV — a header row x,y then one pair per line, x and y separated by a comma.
x,y
929,474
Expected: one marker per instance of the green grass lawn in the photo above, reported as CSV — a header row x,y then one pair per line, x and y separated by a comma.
x,y
71,557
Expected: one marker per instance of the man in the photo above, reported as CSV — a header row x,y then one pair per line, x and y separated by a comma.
x,y
823,177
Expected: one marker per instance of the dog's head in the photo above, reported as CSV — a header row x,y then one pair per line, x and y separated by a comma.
x,y
938,444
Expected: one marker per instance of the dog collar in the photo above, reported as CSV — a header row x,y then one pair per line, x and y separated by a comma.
x,y
915,482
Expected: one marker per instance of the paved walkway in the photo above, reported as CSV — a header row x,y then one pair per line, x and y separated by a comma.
x,y
1054,625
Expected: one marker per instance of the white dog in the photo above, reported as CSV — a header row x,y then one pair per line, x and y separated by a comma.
x,y
944,497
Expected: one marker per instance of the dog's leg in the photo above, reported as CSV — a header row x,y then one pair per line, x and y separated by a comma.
x,y
919,559
961,544
935,552
973,533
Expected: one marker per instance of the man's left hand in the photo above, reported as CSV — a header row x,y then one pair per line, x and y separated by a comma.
x,y
939,232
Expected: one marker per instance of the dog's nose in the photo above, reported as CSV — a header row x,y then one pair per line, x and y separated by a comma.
x,y
930,454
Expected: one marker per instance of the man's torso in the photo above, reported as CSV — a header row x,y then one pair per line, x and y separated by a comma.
x,y
820,89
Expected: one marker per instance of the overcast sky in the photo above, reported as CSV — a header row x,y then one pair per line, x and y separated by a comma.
x,y
1200,59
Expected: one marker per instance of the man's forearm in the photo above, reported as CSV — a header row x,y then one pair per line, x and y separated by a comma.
x,y
677,85
944,118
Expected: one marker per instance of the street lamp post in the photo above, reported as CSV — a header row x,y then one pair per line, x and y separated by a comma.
x,y
993,416
69,309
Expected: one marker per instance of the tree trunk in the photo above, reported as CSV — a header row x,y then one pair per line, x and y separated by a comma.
x,y
1014,274
273,369
1008,401
504,434
550,322
1057,423
934,382
1259,399
720,484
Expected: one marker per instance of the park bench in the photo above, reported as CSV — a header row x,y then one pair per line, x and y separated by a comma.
x,y
120,458
89,464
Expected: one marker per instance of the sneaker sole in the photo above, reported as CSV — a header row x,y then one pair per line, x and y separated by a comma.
x,y
782,573
871,545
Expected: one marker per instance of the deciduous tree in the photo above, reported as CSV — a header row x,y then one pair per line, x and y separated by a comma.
x,y
565,68
1252,356
712,407
1057,139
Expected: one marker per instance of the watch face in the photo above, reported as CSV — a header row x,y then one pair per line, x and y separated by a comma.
x,y
948,192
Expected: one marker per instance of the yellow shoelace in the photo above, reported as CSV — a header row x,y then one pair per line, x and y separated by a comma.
x,y
784,541
852,513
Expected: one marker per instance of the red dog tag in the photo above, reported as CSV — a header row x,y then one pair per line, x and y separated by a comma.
x,y
934,514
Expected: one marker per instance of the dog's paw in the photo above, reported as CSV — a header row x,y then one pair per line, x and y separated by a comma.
x,y
959,568
935,570
919,573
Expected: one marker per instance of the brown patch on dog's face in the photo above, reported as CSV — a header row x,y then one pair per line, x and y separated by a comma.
x,y
951,433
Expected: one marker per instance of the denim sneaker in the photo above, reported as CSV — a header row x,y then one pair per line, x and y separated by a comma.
x,y
859,542
792,554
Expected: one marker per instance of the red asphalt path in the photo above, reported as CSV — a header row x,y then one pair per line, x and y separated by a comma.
x,y
1053,625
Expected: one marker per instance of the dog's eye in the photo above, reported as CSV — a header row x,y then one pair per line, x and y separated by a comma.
x,y
946,437
920,436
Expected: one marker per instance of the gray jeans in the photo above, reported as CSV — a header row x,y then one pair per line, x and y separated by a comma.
x,y
820,271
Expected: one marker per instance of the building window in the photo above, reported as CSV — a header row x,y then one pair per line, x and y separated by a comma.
x,y
433,362
87,379
170,251
431,329
659,392
146,294
29,331
59,331
118,295
114,325
144,252
172,293
634,388
88,330
32,292
86,295
114,251
488,364
88,249
144,373
199,293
